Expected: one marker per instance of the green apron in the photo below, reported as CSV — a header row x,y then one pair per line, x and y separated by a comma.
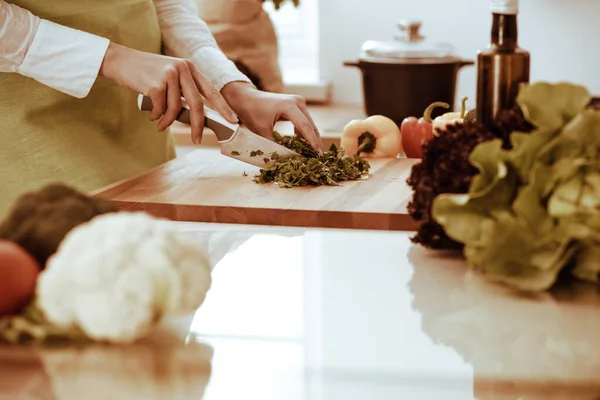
x,y
48,136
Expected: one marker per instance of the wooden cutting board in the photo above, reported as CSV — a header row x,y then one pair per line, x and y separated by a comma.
x,y
205,186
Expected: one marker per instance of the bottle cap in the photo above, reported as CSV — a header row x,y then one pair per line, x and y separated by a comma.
x,y
505,6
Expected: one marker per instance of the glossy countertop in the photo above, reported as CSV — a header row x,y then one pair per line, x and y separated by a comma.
x,y
334,315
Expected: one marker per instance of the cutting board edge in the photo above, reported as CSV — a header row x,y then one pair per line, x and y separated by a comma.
x,y
273,217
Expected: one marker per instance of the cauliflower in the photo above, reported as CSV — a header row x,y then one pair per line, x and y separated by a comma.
x,y
117,275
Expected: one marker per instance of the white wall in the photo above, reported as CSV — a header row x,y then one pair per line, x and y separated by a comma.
x,y
562,35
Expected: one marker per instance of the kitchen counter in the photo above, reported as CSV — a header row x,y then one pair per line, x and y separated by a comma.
x,y
330,119
322,314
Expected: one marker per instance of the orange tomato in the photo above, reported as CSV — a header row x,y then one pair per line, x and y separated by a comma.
x,y
18,277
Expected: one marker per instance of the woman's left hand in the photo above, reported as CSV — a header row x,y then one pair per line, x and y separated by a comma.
x,y
259,111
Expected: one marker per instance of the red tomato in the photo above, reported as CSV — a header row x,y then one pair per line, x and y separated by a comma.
x,y
18,277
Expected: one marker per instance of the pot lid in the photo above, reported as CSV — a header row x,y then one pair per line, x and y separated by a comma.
x,y
409,46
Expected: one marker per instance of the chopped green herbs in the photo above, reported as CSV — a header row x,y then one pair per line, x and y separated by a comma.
x,y
297,144
255,153
235,153
310,169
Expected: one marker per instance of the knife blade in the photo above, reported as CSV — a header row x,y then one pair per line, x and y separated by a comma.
x,y
235,141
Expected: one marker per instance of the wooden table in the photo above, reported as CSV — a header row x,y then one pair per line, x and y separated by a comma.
x,y
205,186
301,314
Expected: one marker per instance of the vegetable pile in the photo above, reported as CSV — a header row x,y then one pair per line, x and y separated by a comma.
x,y
310,168
31,233
111,278
532,209
39,220
444,169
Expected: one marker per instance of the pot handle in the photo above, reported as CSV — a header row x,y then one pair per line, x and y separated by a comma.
x,y
465,63
351,64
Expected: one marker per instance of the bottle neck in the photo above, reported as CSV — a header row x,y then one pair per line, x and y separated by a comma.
x,y
504,31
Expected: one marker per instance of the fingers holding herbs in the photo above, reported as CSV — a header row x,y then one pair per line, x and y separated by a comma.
x,y
297,113
259,111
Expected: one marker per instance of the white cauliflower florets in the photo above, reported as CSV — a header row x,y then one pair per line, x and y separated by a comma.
x,y
117,275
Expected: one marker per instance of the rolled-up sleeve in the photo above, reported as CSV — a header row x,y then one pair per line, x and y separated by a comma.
x,y
186,35
37,48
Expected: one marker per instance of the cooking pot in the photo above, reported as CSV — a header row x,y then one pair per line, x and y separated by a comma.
x,y
400,78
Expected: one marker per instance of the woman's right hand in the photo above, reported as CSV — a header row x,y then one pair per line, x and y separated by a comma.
x,y
166,80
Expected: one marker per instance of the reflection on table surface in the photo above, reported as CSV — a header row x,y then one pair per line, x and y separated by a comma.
x,y
335,315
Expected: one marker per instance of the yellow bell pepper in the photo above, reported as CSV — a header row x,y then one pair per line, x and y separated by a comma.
x,y
452,118
375,137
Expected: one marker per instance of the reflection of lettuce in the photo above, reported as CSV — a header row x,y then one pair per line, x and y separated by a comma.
x,y
535,209
528,341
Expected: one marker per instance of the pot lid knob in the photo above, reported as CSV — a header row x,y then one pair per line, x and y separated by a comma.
x,y
409,30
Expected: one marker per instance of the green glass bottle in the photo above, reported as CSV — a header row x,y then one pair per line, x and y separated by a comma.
x,y
503,67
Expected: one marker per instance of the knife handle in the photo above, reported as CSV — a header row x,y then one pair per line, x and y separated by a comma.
x,y
212,119
145,104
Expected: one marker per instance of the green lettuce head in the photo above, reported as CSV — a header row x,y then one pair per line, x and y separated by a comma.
x,y
534,210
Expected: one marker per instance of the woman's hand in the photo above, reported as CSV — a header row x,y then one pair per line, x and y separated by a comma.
x,y
259,111
166,80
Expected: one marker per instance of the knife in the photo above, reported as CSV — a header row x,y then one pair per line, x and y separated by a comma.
x,y
235,141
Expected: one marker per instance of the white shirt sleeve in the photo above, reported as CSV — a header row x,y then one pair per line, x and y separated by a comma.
x,y
37,48
186,35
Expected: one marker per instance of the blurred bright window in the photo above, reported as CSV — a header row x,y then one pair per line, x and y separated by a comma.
x,y
297,30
